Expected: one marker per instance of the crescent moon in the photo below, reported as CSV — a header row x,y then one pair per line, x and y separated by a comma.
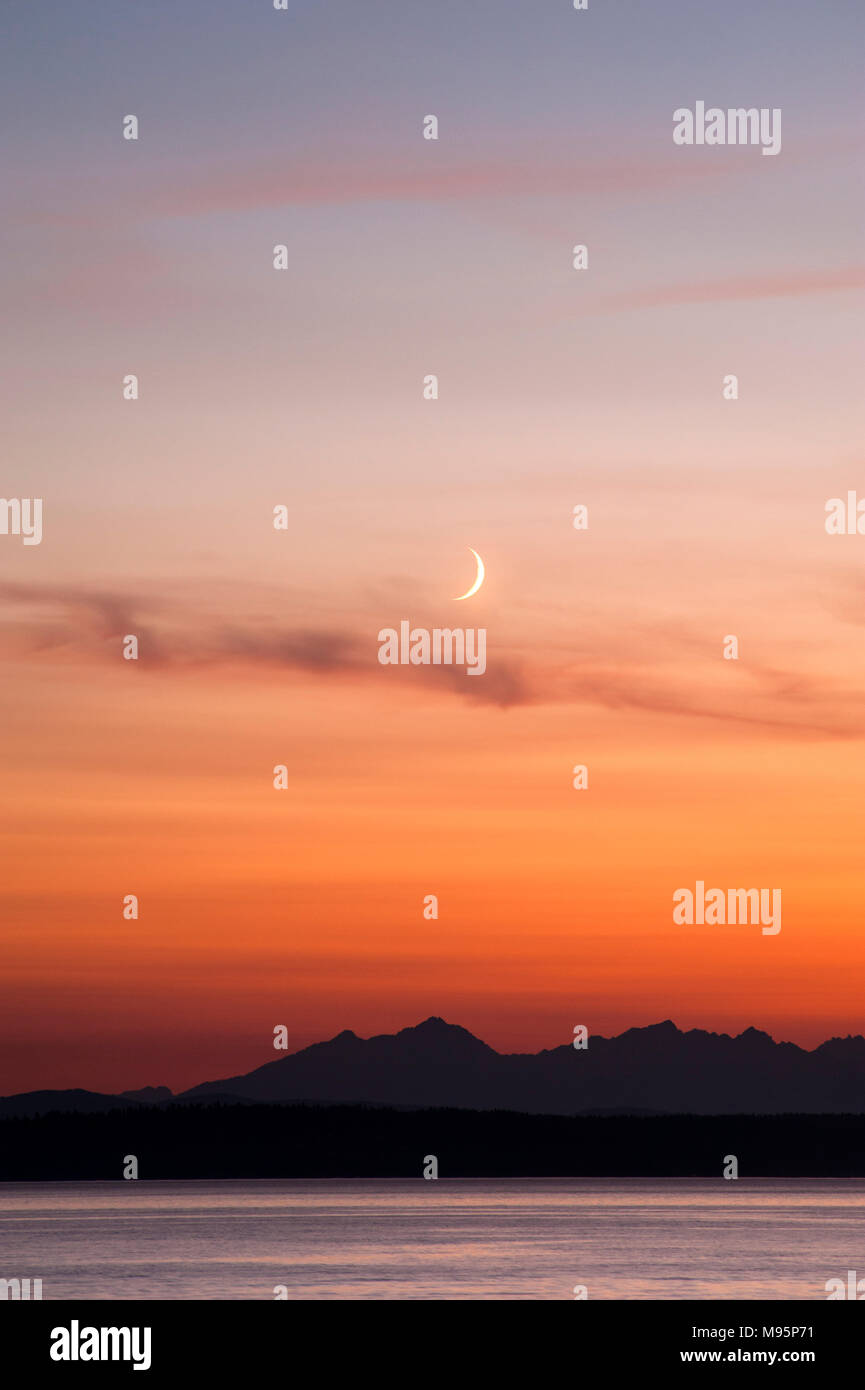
x,y
479,578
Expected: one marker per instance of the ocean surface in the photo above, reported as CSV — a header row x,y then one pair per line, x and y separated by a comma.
x,y
447,1239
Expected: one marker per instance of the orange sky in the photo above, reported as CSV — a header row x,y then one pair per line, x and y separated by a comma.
x,y
304,907
258,647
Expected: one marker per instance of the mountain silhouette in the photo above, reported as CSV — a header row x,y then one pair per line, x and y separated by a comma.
x,y
148,1093
31,1103
654,1069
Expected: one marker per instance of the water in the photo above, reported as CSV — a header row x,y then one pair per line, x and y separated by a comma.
x,y
465,1239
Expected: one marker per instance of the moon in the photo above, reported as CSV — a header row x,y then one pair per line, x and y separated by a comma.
x,y
479,578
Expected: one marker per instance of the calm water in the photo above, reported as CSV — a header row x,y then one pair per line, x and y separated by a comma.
x,y
478,1239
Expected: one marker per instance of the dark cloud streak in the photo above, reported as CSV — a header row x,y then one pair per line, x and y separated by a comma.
x,y
178,639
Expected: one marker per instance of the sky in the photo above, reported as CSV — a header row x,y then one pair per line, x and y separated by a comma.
x,y
304,388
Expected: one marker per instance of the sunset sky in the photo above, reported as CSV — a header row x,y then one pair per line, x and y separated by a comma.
x,y
304,388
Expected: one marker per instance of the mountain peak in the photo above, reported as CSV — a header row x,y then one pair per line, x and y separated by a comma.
x,y
757,1035
440,1037
667,1029
149,1093
435,1027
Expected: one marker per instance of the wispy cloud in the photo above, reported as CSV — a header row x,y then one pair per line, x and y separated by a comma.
x,y
89,624
665,671
784,286
328,179
328,182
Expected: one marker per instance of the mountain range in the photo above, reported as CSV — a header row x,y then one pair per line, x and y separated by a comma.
x,y
654,1070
